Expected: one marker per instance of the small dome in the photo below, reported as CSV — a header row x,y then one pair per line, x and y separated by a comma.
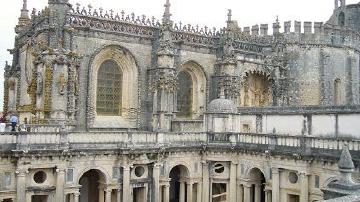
x,y
222,105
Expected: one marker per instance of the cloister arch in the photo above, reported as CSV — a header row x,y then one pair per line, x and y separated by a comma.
x,y
191,93
129,99
178,189
92,184
257,180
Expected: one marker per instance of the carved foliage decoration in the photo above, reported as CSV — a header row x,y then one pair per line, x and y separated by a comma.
x,y
164,79
48,87
231,86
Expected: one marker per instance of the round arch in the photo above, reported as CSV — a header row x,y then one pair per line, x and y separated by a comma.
x,y
257,89
256,177
178,176
199,82
184,170
130,96
101,171
249,171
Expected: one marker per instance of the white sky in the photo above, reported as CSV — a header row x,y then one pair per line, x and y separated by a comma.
x,y
204,12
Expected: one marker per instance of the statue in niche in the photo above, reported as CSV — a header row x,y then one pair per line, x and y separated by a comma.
x,y
39,86
62,83
11,84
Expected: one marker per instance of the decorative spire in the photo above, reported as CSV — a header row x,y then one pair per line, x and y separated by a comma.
x,y
24,10
229,15
23,19
167,14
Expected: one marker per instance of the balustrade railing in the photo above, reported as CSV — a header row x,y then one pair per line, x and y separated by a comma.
x,y
60,139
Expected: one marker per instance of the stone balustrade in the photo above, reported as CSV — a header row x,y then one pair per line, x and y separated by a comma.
x,y
123,140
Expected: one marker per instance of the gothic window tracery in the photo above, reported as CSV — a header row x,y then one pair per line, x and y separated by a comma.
x,y
109,89
184,95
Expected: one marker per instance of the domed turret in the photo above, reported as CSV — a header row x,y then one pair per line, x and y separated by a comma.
x,y
222,105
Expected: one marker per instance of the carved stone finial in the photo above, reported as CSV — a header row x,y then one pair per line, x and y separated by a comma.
x,y
345,162
23,19
24,5
24,11
167,14
229,15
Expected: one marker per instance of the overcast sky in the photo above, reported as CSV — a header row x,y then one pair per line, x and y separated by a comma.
x,y
204,12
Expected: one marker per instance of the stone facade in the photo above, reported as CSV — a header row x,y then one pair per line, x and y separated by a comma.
x,y
185,114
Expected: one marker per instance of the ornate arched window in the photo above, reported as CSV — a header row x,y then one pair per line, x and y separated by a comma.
x,y
109,85
184,95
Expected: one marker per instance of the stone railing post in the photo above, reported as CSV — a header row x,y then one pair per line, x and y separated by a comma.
x,y
305,144
272,142
233,139
160,139
64,142
22,141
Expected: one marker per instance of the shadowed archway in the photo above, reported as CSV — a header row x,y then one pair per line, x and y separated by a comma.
x,y
92,186
178,175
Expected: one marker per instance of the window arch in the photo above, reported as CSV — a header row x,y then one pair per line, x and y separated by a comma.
x,y
109,89
184,95
191,93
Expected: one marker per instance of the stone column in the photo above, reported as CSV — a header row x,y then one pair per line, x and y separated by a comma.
x,y
161,193
257,192
247,192
101,193
275,184
126,184
76,197
240,193
267,196
60,181
182,191
198,197
20,185
232,182
189,192
156,177
167,193
108,195
304,187
119,195
205,185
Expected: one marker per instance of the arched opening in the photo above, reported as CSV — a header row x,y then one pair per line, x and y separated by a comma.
x,y
109,84
184,95
256,91
92,189
191,92
341,19
178,188
115,102
258,181
337,92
